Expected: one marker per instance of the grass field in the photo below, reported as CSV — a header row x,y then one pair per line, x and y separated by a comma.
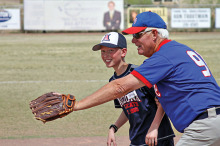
x,y
33,64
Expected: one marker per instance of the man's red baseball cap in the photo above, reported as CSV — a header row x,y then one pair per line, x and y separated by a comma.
x,y
145,20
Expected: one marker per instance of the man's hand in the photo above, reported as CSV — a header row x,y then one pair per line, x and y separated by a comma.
x,y
51,106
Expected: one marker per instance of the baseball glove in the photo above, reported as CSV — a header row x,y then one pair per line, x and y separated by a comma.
x,y
51,106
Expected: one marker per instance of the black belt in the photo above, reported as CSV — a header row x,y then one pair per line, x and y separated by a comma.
x,y
205,114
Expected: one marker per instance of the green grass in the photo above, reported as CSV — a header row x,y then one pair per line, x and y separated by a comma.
x,y
33,64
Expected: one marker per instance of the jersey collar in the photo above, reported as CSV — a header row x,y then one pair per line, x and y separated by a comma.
x,y
162,43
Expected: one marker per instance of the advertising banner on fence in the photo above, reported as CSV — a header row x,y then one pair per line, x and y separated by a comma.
x,y
191,18
217,18
10,19
132,13
73,15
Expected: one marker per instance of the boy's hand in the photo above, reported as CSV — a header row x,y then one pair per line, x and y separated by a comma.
x,y
111,138
151,137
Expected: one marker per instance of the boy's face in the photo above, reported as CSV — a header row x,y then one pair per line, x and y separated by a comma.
x,y
112,57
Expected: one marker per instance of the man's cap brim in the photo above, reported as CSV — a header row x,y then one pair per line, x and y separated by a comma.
x,y
98,46
133,30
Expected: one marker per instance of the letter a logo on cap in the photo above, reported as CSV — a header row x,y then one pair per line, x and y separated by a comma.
x,y
106,38
135,20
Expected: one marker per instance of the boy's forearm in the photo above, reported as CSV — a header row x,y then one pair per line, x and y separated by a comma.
x,y
158,117
122,119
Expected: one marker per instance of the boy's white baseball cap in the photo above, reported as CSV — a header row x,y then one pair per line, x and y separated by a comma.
x,y
111,40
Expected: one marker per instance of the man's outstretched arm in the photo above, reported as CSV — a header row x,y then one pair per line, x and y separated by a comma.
x,y
110,91
51,106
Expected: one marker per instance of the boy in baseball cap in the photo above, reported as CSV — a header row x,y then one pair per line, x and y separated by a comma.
x,y
138,106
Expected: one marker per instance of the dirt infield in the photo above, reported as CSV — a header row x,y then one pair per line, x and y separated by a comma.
x,y
73,141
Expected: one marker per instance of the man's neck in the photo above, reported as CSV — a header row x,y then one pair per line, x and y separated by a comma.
x,y
159,41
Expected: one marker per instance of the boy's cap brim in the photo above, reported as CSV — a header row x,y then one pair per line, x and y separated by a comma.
x,y
98,46
133,30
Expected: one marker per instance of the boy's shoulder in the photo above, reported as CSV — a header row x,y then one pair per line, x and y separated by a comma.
x,y
129,69
133,66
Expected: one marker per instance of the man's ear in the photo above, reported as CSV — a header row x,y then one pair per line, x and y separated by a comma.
x,y
155,34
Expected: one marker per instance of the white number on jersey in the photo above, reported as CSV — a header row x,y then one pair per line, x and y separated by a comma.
x,y
199,62
157,91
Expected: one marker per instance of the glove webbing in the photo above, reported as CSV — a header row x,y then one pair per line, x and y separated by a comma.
x,y
68,103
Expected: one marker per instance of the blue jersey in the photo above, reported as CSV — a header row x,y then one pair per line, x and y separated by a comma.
x,y
182,81
140,108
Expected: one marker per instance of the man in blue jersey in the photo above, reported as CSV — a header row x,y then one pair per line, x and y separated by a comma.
x,y
183,83
138,106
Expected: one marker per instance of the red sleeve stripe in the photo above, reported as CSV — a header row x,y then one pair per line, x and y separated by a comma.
x,y
140,77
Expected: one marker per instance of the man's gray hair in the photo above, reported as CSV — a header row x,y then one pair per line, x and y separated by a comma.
x,y
163,33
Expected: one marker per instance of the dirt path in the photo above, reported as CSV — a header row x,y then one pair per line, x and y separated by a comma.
x,y
73,141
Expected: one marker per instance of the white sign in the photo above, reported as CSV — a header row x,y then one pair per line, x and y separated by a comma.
x,y
217,18
191,18
69,15
10,19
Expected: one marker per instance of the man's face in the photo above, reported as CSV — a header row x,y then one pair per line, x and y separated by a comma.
x,y
111,6
145,44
